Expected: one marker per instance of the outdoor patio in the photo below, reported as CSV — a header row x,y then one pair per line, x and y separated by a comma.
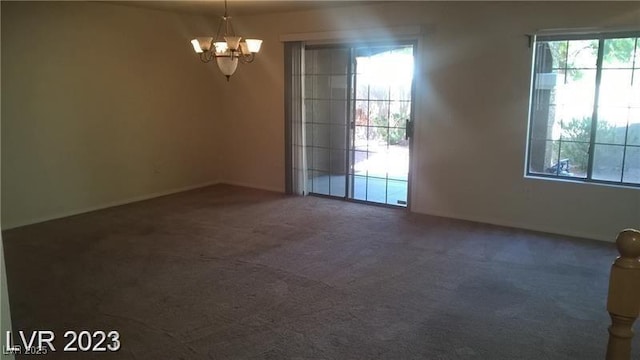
x,y
379,175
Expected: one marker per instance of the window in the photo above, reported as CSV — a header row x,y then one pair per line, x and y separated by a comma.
x,y
585,108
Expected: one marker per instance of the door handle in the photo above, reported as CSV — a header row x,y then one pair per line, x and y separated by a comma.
x,y
408,129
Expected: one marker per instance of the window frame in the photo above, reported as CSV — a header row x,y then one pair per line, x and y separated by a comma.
x,y
601,37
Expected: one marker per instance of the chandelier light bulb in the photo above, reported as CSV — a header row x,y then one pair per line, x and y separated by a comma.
x,y
221,47
233,42
201,44
253,45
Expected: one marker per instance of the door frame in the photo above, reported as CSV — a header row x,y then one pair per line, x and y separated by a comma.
x,y
415,42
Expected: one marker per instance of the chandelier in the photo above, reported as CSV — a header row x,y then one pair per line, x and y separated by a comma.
x,y
227,48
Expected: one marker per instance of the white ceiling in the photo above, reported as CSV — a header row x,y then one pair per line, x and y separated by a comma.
x,y
237,7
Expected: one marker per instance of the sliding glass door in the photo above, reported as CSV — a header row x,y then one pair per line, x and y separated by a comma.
x,y
357,115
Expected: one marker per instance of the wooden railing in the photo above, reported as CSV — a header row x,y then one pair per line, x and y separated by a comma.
x,y
623,303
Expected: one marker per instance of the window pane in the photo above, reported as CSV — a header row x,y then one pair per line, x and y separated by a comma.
x,y
541,127
378,113
323,61
376,189
612,125
320,159
378,92
360,187
321,136
338,87
362,90
362,113
308,110
637,54
575,92
339,112
577,129
398,162
397,136
633,136
338,135
542,156
310,176
381,135
322,87
635,86
309,153
619,53
401,91
361,137
320,111
607,162
320,183
309,83
310,61
615,88
582,54
338,167
337,186
556,51
632,165
308,129
396,192
360,162
340,60
574,159
385,163
338,161
400,112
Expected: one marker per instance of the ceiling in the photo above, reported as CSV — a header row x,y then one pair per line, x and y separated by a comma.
x,y
237,7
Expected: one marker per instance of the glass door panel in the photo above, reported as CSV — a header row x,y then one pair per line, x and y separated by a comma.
x,y
325,102
383,80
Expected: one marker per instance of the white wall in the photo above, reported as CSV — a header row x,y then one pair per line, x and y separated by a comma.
x,y
106,104
472,105
5,313
102,104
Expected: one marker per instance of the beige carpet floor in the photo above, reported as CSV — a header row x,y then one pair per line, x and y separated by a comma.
x,y
232,273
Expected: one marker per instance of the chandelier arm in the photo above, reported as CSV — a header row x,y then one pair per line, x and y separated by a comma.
x,y
246,59
205,57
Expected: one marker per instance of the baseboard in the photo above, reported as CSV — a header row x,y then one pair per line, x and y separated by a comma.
x,y
492,221
500,222
253,186
108,205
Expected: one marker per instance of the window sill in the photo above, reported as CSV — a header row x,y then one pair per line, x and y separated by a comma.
x,y
582,182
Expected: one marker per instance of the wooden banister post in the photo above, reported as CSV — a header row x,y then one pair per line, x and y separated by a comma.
x,y
623,303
